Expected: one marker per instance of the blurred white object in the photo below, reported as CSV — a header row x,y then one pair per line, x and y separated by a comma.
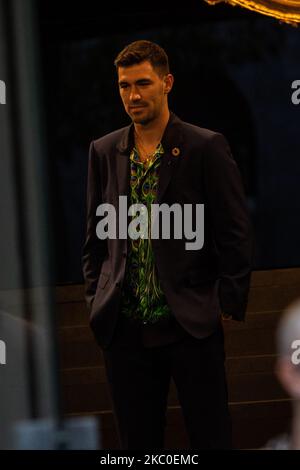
x,y
76,434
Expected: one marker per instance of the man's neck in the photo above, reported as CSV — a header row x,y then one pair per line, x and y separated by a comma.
x,y
154,130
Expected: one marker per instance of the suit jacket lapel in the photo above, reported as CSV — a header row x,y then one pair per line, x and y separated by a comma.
x,y
123,161
172,145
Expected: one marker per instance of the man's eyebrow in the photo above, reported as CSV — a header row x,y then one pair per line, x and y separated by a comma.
x,y
145,79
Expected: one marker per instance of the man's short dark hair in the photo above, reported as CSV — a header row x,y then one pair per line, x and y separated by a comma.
x,y
140,51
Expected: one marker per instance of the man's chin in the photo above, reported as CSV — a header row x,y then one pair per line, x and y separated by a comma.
x,y
142,119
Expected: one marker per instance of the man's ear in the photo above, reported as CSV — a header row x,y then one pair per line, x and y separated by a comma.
x,y
168,80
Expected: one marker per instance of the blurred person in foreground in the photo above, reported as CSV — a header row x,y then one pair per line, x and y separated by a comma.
x,y
287,370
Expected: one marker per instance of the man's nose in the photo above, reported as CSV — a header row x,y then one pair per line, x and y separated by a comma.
x,y
135,95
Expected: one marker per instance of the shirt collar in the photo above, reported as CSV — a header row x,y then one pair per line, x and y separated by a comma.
x,y
172,136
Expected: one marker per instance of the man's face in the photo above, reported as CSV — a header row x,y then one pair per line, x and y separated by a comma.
x,y
143,91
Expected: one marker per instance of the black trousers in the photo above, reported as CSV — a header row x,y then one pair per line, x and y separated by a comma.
x,y
139,379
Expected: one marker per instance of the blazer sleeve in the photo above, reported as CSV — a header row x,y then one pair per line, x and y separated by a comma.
x,y
231,226
94,250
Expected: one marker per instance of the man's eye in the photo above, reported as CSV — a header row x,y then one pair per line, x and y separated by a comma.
x,y
124,85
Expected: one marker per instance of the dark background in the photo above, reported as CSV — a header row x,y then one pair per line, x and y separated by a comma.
x,y
233,73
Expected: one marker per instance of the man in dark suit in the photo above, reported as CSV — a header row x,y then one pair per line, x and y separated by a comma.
x,y
156,306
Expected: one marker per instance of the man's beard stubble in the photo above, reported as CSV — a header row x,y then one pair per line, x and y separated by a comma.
x,y
143,120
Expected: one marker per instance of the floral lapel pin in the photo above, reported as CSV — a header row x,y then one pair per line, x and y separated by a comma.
x,y
175,152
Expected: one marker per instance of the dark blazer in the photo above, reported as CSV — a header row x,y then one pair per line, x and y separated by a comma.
x,y
197,284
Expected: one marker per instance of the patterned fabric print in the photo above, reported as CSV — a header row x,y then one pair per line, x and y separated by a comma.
x,y
143,297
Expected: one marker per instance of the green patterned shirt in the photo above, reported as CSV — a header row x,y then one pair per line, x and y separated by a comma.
x,y
143,297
